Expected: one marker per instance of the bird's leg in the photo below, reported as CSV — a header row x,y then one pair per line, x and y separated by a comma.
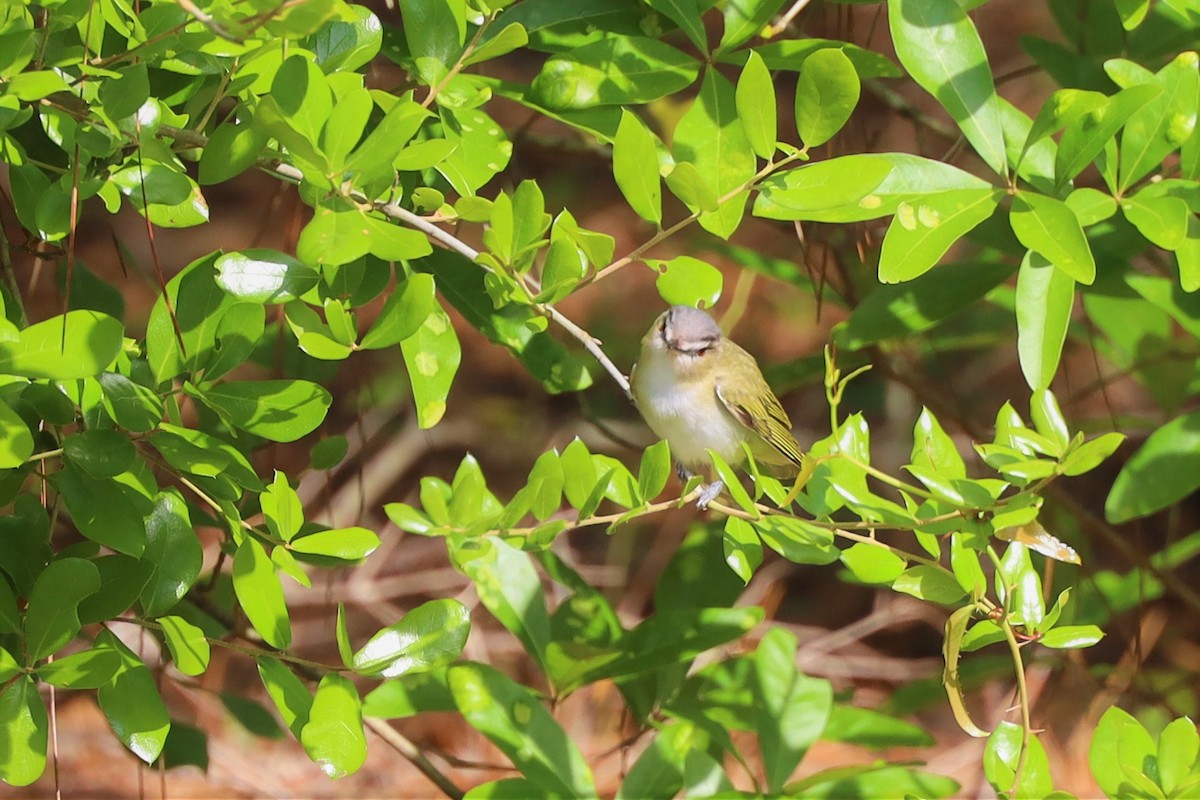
x,y
710,493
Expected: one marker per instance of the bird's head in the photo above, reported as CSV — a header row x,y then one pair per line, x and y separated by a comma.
x,y
688,338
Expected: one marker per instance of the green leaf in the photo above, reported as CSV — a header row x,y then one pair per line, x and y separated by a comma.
x,y
432,356
710,137
16,440
745,19
333,736
344,544
264,276
509,587
406,308
287,692
937,43
409,695
733,485
391,242
510,37
1120,751
173,554
826,95
1178,747
281,508
899,311
1091,205
1162,220
197,452
688,184
794,707
1019,585
741,547
1002,755
874,780
868,728
1085,139
195,301
102,511
654,470
635,167
872,563
685,14
131,405
1050,228
687,281
101,453
435,31
1072,636
51,618
926,582
432,635
302,97
482,149
797,540
260,593
23,733
135,709
544,486
579,472
922,231
279,410
1045,298
78,344
232,149
10,618
1060,109
616,70
189,647
514,720
935,450
334,237
1160,126
755,102
89,669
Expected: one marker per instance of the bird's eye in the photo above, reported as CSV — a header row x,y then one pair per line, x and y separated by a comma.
x,y
703,351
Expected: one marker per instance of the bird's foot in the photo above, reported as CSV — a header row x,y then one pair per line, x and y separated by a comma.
x,y
710,493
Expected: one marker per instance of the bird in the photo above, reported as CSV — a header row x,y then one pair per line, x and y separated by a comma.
x,y
699,390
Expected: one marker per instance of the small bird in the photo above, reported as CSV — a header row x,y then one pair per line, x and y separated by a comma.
x,y
699,390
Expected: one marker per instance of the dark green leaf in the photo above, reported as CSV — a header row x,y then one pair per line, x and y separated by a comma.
x,y
101,453
102,511
509,587
291,699
89,669
172,552
435,31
